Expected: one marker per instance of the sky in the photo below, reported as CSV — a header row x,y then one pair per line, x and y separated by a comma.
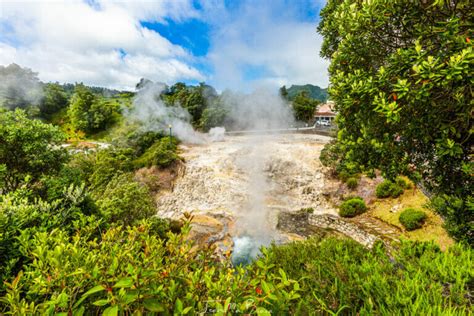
x,y
230,44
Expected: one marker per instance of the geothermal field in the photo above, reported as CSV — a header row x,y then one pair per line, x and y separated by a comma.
x,y
237,186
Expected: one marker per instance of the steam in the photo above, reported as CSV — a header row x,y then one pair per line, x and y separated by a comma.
x,y
216,134
154,115
19,87
260,110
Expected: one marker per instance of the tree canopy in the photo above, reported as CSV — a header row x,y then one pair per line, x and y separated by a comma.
x,y
28,149
401,76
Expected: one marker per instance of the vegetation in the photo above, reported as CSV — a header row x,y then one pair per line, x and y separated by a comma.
x,y
412,219
89,113
352,207
342,276
313,92
388,189
304,107
352,183
29,149
400,79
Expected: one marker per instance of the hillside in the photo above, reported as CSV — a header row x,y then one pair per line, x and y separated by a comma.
x,y
315,92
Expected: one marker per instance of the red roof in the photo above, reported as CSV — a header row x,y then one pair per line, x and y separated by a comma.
x,y
325,109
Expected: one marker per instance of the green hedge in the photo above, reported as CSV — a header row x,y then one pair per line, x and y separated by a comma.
x,y
352,207
412,219
388,189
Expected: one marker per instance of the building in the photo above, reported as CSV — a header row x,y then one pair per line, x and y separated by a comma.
x,y
325,114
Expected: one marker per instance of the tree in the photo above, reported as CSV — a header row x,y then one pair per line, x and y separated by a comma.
x,y
304,107
401,77
89,112
29,149
19,87
54,99
284,92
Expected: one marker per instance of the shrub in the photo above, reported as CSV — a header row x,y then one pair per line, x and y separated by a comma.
x,y
131,271
396,190
403,183
387,188
352,207
125,200
412,219
458,215
352,183
162,154
334,273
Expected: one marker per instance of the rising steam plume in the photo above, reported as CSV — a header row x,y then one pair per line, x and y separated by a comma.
x,y
259,110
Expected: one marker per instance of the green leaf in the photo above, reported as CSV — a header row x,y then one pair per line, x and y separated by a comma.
x,y
79,311
124,283
263,311
95,289
153,305
111,311
101,302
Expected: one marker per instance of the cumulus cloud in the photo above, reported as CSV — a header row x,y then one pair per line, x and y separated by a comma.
x,y
102,42
99,43
268,38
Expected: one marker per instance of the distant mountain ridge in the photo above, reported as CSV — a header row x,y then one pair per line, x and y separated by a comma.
x,y
314,92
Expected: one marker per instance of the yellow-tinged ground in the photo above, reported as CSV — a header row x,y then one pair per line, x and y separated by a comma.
x,y
389,210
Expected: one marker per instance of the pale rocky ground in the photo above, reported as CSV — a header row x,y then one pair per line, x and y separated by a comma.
x,y
218,176
244,182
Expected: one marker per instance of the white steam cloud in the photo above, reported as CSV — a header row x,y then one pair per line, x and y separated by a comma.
x,y
154,115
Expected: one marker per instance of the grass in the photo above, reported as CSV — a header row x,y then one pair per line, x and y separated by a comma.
x,y
412,198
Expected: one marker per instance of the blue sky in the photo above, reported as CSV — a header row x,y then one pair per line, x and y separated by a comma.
x,y
240,45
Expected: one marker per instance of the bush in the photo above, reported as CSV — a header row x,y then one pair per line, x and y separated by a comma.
x,y
352,183
131,271
162,154
387,188
125,200
340,275
403,183
352,207
412,219
458,214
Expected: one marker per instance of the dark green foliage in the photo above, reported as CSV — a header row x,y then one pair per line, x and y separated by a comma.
x,y
341,275
54,99
162,153
214,115
458,214
141,141
412,219
401,78
313,92
352,183
124,201
388,189
91,113
106,164
21,215
304,107
402,183
352,207
29,149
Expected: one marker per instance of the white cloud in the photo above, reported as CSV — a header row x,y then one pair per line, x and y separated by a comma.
x,y
279,43
73,41
69,41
